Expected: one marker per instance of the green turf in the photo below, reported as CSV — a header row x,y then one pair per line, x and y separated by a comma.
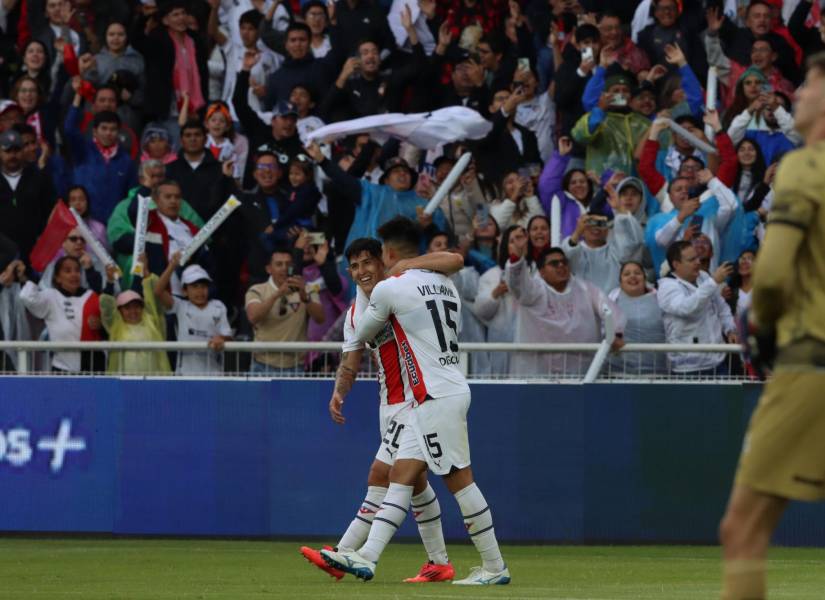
x,y
167,569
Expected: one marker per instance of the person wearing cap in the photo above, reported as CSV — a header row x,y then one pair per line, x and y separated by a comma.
x,y
134,317
375,204
100,165
299,66
156,145
279,133
611,131
199,318
10,113
26,196
362,89
268,61
176,61
602,243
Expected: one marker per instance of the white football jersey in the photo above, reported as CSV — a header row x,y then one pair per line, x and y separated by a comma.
x,y
424,310
392,377
200,325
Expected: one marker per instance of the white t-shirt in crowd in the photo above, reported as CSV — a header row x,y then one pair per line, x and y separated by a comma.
x,y
197,324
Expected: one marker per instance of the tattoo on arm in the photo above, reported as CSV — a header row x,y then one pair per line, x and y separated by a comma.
x,y
345,376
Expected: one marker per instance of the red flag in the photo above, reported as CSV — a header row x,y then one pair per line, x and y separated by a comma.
x,y
61,222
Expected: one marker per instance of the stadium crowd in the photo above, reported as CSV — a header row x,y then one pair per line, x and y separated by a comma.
x,y
581,195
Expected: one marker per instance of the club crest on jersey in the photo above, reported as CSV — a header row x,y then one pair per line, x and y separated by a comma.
x,y
409,360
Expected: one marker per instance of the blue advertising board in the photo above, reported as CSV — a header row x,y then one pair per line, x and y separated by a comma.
x,y
599,463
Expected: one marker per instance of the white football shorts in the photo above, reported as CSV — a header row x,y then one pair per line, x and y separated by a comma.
x,y
436,433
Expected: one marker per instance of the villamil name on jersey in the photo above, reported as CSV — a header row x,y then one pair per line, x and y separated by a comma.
x,y
435,290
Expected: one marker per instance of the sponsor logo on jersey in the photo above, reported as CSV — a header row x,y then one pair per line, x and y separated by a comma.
x,y
409,360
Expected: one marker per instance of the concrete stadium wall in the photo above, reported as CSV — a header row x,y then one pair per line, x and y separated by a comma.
x,y
599,463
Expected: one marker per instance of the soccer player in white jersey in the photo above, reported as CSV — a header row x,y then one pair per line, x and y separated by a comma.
x,y
422,308
367,269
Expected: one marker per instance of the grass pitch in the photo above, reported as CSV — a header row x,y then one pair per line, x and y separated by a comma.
x,y
209,570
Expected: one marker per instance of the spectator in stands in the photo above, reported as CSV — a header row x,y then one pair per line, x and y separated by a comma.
x,y
267,61
611,131
105,99
737,292
669,28
495,305
300,66
176,60
302,98
26,93
466,83
694,311
223,142
92,272
637,301
499,66
376,204
278,311
120,229
769,123
596,253
509,146
751,169
132,317
535,111
355,20
315,262
810,39
316,18
538,239
198,172
737,42
116,58
763,56
554,306
155,144
462,202
71,313
518,204
281,135
199,318
565,193
36,64
580,57
166,231
78,199
100,165
363,89
56,29
26,197
613,39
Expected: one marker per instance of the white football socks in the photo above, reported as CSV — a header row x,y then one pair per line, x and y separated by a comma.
x,y
479,524
389,518
427,514
357,532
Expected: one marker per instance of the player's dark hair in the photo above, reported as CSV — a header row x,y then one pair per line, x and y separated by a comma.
x,y
106,116
360,245
674,252
402,233
546,253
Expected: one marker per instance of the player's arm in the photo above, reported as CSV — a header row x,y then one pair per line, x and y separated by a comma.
x,y
447,263
794,209
344,378
377,313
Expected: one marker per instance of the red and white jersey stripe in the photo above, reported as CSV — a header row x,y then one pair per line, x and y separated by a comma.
x,y
424,311
392,377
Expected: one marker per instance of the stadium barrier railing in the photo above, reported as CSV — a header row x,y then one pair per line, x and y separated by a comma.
x,y
570,362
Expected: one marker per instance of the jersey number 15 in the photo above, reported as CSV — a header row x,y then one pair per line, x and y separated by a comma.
x,y
449,309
